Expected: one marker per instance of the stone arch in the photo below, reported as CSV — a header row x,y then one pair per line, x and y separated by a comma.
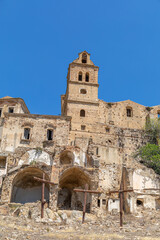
x,y
71,178
26,189
67,158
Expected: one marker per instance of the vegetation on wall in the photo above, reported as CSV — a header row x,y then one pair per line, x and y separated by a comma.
x,y
149,154
152,130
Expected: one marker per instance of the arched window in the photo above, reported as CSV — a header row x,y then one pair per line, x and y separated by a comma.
x,y
87,77
82,113
84,58
83,91
129,112
80,76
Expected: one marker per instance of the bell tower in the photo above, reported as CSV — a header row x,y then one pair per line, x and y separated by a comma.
x,y
81,98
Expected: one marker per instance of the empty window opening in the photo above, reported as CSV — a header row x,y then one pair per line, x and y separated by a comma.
x,y
2,163
87,77
84,58
11,110
0,112
83,127
97,151
158,114
139,202
98,202
82,113
27,133
83,91
157,203
49,134
80,76
129,112
103,201
107,130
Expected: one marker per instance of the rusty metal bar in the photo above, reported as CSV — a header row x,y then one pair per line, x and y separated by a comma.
x,y
119,191
43,180
42,199
85,202
84,190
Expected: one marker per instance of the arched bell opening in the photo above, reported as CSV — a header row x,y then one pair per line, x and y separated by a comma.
x,y
25,189
67,198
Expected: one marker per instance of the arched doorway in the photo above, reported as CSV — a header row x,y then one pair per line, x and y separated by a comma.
x,y
26,189
71,178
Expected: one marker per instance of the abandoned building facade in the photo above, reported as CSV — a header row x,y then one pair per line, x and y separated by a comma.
x,y
89,143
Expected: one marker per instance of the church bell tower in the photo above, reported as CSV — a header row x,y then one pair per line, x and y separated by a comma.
x,y
81,98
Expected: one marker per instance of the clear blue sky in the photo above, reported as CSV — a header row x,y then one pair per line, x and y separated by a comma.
x,y
39,38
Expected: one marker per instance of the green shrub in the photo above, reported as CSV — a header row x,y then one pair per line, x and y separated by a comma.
x,y
149,155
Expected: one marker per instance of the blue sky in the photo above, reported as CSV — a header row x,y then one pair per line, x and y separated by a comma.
x,y
39,38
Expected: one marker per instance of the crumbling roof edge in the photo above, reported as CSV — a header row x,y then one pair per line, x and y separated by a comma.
x,y
18,99
67,118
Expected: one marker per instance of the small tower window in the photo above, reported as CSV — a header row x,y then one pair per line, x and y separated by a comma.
x,y
11,110
158,114
83,91
80,76
87,77
83,127
82,113
139,202
27,133
129,112
107,130
97,151
49,134
0,112
84,58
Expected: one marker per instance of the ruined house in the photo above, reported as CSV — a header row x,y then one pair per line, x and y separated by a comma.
x,y
89,143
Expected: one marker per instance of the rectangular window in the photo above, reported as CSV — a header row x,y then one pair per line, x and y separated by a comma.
x,y
11,110
27,133
107,130
49,134
97,151
2,163
83,127
0,112
103,201
98,203
129,112
158,114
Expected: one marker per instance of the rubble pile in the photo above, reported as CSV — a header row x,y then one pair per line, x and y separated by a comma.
x,y
18,222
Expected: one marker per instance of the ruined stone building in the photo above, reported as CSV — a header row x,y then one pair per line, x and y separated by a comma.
x,y
89,143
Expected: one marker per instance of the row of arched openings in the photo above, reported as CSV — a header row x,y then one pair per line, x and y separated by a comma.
x,y
80,77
